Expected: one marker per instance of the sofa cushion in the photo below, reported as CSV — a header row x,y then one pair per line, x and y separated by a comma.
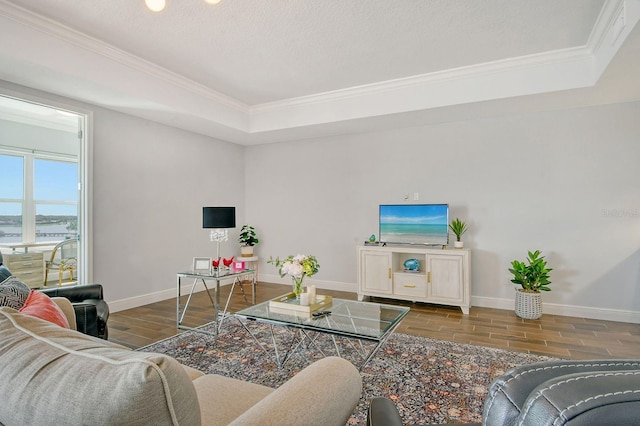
x,y
328,390
52,375
192,372
219,399
13,293
67,309
41,306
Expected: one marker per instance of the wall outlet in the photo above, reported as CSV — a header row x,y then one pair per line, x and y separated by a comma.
x,y
416,196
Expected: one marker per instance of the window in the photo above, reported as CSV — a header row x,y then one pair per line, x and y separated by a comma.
x,y
11,198
55,188
45,192
39,200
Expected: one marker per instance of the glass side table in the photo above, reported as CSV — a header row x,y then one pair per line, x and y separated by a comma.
x,y
216,277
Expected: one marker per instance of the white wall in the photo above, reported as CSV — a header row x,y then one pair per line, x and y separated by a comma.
x,y
150,183
565,182
19,135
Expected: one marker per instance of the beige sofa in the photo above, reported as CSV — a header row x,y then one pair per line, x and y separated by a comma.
x,y
51,375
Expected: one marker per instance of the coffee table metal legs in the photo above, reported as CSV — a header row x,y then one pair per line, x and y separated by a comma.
x,y
286,354
377,347
282,355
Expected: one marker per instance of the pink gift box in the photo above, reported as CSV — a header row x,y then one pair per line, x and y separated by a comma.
x,y
238,266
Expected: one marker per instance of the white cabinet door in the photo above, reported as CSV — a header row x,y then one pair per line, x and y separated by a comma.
x,y
375,270
445,278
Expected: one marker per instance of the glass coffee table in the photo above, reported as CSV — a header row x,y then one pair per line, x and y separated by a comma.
x,y
364,321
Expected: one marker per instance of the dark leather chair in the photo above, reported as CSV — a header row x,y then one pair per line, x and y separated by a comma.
x,y
4,272
580,393
382,412
92,312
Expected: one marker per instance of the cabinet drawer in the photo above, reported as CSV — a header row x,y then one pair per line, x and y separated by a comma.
x,y
28,267
17,262
24,265
412,285
18,257
32,279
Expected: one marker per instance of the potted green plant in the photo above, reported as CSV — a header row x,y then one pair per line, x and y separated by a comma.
x,y
533,277
247,240
458,227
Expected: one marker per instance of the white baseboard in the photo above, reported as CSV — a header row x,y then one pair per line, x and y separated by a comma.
x,y
145,299
484,302
492,302
564,310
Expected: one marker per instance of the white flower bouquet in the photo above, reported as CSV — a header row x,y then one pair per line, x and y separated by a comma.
x,y
298,267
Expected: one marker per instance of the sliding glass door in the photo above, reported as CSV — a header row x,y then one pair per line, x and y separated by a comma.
x,y
43,197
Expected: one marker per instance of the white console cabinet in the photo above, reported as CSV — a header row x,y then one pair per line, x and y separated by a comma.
x,y
443,276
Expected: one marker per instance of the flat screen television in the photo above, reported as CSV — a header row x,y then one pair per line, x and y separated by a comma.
x,y
426,224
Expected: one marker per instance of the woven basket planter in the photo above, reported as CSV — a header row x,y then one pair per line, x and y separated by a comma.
x,y
528,305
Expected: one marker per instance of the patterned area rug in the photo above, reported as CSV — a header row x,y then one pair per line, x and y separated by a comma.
x,y
431,381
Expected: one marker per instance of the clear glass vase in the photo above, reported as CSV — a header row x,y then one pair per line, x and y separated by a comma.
x,y
297,286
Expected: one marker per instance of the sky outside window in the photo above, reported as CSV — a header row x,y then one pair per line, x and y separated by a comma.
x,y
12,177
55,181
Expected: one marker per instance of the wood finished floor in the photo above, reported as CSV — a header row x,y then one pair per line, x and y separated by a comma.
x,y
553,335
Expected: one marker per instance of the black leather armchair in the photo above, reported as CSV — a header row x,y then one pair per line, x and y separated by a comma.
x,y
382,412
580,393
92,312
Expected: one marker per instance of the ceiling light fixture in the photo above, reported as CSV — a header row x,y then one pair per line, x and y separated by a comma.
x,y
159,5
155,5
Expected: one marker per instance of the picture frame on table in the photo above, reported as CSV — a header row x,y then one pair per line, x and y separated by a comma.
x,y
201,264
238,266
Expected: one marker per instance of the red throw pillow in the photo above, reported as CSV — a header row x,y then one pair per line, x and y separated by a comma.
x,y
41,306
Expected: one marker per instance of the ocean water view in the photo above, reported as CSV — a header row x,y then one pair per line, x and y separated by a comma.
x,y
49,232
414,233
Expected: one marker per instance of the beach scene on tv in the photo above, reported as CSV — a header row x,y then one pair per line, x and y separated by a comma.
x,y
415,224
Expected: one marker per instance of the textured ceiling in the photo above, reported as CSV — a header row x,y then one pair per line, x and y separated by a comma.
x,y
259,51
260,71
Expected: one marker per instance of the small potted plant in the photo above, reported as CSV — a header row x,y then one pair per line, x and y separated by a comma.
x,y
533,277
458,227
247,240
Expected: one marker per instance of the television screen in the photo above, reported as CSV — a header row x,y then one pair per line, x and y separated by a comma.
x,y
426,224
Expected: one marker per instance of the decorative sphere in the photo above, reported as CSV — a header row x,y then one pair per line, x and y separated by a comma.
x,y
411,264
372,238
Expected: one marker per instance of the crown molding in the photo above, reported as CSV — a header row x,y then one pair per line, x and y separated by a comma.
x,y
69,35
545,72
596,39
604,40
534,74
438,77
155,93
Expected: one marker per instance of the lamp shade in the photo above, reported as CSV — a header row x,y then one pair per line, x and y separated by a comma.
x,y
218,217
